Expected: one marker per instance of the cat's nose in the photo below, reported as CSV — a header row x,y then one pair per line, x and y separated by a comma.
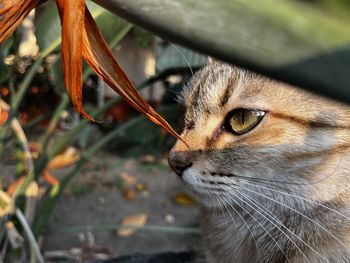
x,y
178,162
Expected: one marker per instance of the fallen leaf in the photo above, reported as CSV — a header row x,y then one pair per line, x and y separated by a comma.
x,y
148,159
128,194
131,223
140,187
128,179
184,199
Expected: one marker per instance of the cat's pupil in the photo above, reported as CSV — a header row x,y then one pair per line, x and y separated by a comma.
x,y
242,117
241,121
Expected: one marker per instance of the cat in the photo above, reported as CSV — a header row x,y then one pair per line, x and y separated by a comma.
x,y
269,163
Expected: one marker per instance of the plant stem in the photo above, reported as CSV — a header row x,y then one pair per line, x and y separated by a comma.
x,y
35,250
53,123
17,99
44,157
44,215
23,87
166,229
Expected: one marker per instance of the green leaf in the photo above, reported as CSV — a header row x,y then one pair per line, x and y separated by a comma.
x,y
175,56
48,26
108,23
4,52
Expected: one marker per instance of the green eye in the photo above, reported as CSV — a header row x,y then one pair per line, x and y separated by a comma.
x,y
241,121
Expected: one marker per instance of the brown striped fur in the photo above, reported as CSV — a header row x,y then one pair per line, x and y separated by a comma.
x,y
278,193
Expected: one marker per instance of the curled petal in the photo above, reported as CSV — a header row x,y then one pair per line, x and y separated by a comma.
x,y
12,12
72,17
97,54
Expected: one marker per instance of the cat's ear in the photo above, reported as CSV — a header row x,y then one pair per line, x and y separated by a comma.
x,y
210,60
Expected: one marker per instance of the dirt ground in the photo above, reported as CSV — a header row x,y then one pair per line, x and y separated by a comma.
x,y
106,191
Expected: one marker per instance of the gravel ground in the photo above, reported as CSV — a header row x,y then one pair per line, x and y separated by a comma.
x,y
108,190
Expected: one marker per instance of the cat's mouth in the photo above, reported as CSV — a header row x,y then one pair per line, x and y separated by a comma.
x,y
207,189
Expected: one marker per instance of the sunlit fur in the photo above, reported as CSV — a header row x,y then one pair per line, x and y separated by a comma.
x,y
278,193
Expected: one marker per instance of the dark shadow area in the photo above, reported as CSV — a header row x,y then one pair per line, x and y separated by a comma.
x,y
167,257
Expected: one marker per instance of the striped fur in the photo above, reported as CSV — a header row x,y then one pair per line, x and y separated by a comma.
x,y
279,193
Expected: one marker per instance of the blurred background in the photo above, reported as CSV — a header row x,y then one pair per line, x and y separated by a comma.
x,y
91,191
94,183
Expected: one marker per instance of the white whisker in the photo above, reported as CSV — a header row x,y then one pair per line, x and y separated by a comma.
x,y
184,57
299,213
301,198
273,217
246,224
266,230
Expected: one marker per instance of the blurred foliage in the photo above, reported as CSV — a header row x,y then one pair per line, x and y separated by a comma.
x,y
24,81
174,66
142,37
22,221
335,5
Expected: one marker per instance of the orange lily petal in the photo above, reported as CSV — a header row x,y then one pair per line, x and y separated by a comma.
x,y
100,59
12,12
72,17
81,37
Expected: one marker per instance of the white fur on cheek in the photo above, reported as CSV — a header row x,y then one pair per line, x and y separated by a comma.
x,y
191,178
201,191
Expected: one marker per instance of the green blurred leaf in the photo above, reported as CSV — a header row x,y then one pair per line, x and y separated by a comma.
x,y
56,70
4,52
48,26
48,33
174,56
108,23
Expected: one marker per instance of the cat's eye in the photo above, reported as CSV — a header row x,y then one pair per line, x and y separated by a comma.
x,y
240,121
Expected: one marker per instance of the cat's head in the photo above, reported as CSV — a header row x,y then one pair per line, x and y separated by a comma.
x,y
246,134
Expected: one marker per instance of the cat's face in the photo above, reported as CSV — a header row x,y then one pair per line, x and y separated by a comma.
x,y
246,134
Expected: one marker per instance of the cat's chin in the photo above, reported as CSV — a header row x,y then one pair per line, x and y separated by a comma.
x,y
204,196
207,200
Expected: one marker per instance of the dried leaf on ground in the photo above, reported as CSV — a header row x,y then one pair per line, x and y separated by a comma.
x,y
128,194
128,179
131,223
141,187
148,159
183,199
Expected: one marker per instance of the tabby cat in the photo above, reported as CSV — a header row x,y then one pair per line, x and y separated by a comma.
x,y
269,164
